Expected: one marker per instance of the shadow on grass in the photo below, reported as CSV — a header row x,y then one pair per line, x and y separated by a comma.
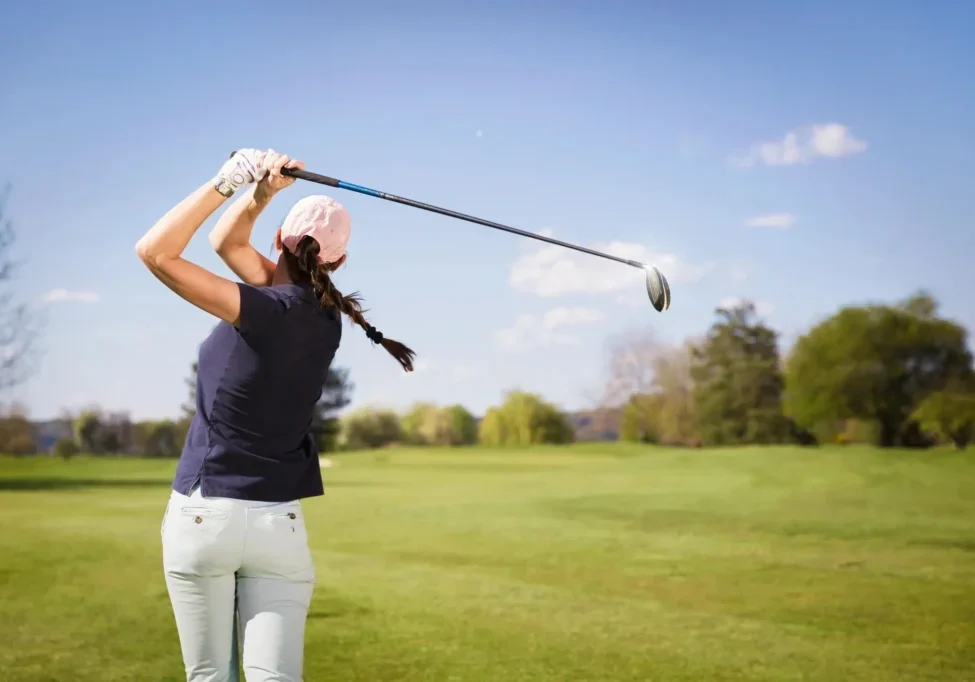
x,y
27,484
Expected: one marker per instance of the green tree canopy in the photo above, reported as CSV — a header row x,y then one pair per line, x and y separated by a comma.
x,y
463,427
875,363
737,380
16,431
368,428
429,424
949,415
639,422
336,395
419,424
86,428
524,419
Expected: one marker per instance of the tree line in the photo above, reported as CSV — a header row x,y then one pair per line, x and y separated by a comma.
x,y
886,374
892,375
521,419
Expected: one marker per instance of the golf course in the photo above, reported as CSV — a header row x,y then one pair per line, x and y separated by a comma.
x,y
586,562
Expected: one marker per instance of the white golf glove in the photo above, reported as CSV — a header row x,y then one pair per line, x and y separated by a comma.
x,y
242,168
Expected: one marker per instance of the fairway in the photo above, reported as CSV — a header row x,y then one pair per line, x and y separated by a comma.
x,y
598,562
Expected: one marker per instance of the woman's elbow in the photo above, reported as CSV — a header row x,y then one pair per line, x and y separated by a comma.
x,y
148,255
142,251
218,243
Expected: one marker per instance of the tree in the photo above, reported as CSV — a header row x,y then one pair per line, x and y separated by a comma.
x,y
631,367
674,411
737,380
368,428
65,448
19,324
98,433
336,395
949,415
86,427
163,439
524,419
653,381
463,427
418,424
639,421
876,363
115,433
16,431
428,424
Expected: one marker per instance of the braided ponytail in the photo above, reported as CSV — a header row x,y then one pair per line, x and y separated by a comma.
x,y
304,267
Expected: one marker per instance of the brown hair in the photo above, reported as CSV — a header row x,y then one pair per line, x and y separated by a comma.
x,y
305,268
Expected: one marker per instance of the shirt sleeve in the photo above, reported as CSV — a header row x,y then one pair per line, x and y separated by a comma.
x,y
260,311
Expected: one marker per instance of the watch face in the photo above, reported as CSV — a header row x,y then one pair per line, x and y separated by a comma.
x,y
223,187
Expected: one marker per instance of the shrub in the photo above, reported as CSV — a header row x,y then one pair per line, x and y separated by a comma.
x,y
948,415
66,448
16,434
427,424
524,419
463,427
370,428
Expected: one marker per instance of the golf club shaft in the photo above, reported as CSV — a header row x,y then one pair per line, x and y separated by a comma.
x,y
342,184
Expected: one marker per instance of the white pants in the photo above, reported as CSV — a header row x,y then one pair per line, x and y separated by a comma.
x,y
238,569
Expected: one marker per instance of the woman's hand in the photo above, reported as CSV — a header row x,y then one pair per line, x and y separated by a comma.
x,y
273,181
242,168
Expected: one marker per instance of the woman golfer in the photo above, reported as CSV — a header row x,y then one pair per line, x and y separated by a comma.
x,y
235,548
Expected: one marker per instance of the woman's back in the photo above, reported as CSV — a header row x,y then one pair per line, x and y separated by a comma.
x,y
257,387
235,545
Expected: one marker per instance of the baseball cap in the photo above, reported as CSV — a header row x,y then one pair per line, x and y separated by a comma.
x,y
322,218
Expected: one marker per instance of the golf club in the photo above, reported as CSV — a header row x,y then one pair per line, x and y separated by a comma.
x,y
657,286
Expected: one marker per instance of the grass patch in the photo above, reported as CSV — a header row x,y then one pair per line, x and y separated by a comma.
x,y
583,563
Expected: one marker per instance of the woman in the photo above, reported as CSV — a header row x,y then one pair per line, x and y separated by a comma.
x,y
235,548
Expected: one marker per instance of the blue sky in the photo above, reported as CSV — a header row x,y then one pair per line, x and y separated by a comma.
x,y
805,155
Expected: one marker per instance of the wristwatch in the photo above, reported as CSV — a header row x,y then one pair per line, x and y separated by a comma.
x,y
222,186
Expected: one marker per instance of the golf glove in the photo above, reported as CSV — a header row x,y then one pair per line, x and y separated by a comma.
x,y
243,167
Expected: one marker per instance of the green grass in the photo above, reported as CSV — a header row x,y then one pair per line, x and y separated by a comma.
x,y
584,563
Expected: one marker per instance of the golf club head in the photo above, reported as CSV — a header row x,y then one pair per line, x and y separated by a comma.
x,y
658,289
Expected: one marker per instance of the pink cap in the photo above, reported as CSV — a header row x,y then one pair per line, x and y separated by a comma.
x,y
320,217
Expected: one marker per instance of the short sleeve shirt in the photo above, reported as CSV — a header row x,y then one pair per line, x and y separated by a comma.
x,y
257,388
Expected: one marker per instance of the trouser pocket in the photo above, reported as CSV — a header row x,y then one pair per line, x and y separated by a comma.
x,y
277,544
201,540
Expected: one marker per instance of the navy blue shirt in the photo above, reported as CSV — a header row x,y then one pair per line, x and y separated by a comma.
x,y
256,391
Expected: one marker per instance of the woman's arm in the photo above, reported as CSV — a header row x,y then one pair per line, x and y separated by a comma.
x,y
231,236
161,248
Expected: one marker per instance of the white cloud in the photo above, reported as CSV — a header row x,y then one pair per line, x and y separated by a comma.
x,y
763,308
66,296
530,331
803,145
552,271
479,133
781,221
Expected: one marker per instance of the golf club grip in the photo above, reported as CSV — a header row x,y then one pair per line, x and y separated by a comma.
x,y
308,175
